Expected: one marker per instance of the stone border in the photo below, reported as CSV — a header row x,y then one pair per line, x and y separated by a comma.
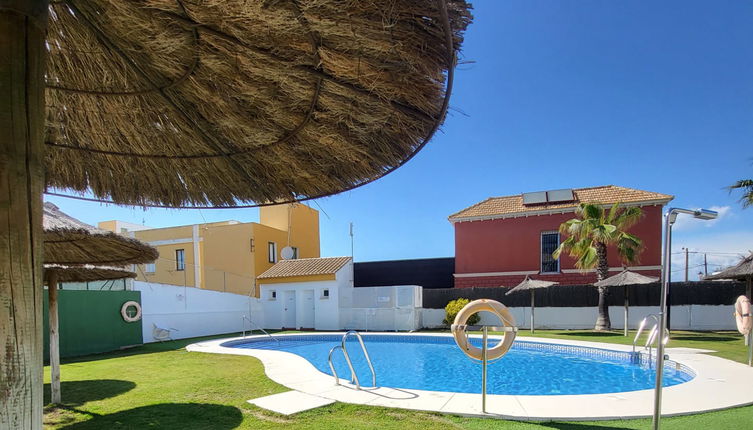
x,y
719,384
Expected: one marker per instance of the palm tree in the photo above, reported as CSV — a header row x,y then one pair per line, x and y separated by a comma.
x,y
588,237
747,186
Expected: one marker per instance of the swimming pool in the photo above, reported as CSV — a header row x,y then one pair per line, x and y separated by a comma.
x,y
435,363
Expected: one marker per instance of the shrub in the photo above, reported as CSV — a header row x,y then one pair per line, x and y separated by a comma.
x,y
452,309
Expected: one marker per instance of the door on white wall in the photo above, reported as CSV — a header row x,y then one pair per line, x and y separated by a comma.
x,y
307,309
288,310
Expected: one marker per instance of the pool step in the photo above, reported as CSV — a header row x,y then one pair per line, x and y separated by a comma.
x,y
290,402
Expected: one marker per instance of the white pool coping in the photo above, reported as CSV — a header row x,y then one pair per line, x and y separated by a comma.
x,y
719,384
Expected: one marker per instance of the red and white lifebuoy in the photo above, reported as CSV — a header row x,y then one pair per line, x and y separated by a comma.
x,y
124,311
743,316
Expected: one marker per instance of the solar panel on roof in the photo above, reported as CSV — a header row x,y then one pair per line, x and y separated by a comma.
x,y
564,195
534,198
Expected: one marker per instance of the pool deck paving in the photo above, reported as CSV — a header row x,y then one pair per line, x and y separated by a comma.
x,y
719,384
290,402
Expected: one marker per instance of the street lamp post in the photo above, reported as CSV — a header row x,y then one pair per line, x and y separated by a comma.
x,y
669,219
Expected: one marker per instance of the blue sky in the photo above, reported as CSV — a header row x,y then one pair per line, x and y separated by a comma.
x,y
560,94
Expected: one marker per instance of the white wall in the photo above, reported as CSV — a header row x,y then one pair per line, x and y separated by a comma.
x,y
384,308
192,311
686,317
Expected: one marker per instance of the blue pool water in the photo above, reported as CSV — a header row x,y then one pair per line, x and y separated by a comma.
x,y
436,364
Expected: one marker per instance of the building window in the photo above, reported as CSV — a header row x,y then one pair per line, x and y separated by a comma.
x,y
273,295
325,293
272,250
150,268
550,240
180,259
295,252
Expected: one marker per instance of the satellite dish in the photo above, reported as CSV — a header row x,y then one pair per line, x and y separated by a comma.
x,y
287,253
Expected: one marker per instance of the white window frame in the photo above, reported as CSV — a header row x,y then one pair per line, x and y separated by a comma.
x,y
150,268
272,295
541,250
272,252
180,262
325,294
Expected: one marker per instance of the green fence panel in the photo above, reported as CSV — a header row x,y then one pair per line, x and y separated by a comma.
x,y
90,322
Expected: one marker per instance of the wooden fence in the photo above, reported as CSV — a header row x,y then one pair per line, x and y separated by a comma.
x,y
681,293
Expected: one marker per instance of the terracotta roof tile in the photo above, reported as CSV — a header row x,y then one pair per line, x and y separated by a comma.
x,y
305,267
510,205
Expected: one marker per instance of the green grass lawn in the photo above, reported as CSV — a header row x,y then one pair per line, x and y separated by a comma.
x,y
162,386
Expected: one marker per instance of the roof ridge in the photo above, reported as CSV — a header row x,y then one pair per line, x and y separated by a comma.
x,y
605,194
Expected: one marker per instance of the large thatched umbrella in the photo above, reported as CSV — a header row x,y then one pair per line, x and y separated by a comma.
x,y
184,103
68,241
625,279
53,274
532,285
742,271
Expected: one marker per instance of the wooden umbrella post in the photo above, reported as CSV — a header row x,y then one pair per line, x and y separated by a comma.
x,y
22,63
626,310
52,291
533,306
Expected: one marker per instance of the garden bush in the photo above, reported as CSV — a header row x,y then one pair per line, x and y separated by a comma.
x,y
452,309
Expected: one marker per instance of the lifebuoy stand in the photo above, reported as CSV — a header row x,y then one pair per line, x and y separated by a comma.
x,y
459,332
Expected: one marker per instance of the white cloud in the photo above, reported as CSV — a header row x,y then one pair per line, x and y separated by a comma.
x,y
687,222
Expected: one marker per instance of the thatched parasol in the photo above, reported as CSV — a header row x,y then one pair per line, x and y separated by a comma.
x,y
210,103
625,279
69,241
533,285
85,273
286,99
741,271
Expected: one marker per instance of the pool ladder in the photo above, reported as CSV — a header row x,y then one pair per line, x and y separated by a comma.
x,y
652,335
251,325
343,347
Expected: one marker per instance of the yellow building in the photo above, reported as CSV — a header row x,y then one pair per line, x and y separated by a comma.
x,y
228,255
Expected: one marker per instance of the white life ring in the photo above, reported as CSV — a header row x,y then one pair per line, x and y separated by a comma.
x,y
124,311
461,337
743,316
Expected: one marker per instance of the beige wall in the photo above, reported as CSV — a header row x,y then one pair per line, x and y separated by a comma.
x,y
231,254
227,258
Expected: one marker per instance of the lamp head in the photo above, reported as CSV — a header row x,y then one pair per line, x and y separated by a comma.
x,y
705,214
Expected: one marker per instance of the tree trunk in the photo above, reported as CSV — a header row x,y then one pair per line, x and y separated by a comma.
x,y
52,290
22,62
602,272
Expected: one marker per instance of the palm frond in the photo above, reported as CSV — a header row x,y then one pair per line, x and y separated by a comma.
x,y
628,217
747,186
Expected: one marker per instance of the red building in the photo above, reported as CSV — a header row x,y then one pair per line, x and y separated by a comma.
x,y
502,239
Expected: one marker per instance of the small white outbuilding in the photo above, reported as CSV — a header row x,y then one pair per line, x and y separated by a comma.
x,y
307,293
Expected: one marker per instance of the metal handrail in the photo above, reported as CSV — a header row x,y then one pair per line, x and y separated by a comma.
x,y
652,335
332,366
344,349
365,353
251,328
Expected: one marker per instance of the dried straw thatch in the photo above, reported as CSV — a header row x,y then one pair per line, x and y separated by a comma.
x,y
625,278
531,284
85,273
69,241
221,102
742,270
